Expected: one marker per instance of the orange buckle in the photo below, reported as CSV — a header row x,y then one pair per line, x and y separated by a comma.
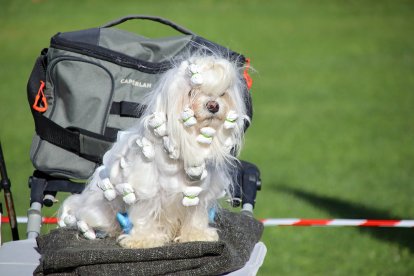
x,y
40,106
249,80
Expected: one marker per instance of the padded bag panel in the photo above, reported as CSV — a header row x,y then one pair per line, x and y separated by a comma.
x,y
79,93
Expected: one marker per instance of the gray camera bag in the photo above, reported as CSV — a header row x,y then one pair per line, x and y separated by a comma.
x,y
88,85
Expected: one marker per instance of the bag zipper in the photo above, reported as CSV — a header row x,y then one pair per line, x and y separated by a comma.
x,y
110,56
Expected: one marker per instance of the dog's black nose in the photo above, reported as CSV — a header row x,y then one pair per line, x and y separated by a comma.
x,y
212,106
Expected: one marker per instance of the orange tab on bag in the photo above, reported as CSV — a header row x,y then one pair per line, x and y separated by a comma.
x,y
249,80
42,105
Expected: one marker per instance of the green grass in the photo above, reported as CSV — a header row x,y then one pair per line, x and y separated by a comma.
x,y
333,128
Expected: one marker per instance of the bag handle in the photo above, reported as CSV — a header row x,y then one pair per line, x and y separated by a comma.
x,y
148,17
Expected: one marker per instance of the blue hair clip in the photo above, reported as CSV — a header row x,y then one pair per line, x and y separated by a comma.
x,y
211,214
124,222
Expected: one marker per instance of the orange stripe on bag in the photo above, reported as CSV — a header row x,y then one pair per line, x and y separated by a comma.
x,y
42,105
249,80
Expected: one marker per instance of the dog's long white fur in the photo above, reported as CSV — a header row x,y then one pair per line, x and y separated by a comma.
x,y
157,180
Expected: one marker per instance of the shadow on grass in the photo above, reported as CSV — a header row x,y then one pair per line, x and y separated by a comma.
x,y
404,237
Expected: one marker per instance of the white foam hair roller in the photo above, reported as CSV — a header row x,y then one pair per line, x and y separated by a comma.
x,y
190,122
147,148
61,223
206,135
193,69
188,117
191,196
192,191
196,78
85,230
157,119
170,148
188,202
127,192
196,172
161,130
129,198
107,187
105,184
157,123
231,120
208,131
187,113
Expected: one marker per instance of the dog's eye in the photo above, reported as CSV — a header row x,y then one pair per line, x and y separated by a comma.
x,y
222,95
190,93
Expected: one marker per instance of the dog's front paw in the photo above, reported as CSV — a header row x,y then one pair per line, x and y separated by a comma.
x,y
128,241
207,234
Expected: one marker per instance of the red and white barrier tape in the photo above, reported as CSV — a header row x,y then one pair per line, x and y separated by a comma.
x,y
45,220
289,222
338,222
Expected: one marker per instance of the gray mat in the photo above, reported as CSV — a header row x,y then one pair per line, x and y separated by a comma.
x,y
64,253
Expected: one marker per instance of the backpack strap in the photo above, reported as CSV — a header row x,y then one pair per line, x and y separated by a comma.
x,y
89,145
127,109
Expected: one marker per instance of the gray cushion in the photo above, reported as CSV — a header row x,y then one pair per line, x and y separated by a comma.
x,y
65,253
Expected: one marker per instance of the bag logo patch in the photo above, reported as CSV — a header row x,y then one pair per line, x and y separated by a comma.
x,y
136,83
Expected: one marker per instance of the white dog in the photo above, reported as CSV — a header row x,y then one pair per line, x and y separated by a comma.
x,y
168,171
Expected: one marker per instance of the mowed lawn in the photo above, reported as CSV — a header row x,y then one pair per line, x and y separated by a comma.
x,y
333,127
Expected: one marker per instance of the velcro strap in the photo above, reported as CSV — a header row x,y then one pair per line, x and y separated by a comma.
x,y
93,148
86,144
111,132
127,109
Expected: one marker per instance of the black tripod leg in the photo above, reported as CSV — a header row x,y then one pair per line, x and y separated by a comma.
x,y
5,185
